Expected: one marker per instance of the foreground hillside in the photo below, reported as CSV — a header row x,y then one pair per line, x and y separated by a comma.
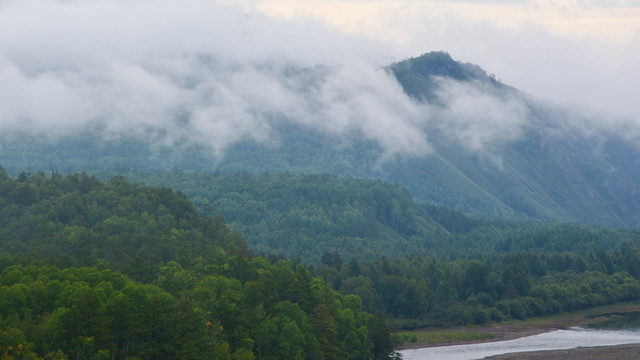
x,y
118,271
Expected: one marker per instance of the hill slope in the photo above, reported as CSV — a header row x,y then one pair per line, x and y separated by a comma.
x,y
553,169
449,132
71,248
314,216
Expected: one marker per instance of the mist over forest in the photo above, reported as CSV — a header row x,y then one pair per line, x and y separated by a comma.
x,y
221,92
214,75
259,181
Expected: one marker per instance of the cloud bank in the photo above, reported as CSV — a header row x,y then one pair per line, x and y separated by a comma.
x,y
577,52
477,118
196,71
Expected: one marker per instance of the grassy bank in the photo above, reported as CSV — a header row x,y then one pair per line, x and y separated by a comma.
x,y
440,337
509,329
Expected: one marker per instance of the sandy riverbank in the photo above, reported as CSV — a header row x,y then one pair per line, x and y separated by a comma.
x,y
509,331
619,352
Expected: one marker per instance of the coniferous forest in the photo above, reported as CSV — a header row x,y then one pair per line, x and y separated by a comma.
x,y
115,270
93,269
421,264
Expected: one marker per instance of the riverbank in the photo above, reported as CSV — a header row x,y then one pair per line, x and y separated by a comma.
x,y
619,352
514,330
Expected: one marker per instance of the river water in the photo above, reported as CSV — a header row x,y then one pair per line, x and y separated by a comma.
x,y
553,340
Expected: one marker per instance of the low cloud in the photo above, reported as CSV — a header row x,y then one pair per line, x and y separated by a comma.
x,y
174,72
478,117
190,71
370,101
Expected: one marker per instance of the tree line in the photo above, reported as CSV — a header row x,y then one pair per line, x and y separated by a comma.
x,y
306,216
424,291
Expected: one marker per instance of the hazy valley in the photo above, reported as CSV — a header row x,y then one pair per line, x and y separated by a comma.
x,y
309,216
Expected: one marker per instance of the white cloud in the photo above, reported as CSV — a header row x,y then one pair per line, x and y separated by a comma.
x,y
479,119
214,74
196,71
47,103
369,100
581,52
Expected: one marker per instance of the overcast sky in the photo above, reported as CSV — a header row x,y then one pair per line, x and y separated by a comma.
x,y
579,51
135,66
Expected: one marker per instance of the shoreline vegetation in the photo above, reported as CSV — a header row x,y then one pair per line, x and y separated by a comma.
x,y
510,330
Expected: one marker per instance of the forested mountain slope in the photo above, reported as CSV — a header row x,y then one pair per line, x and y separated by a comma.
x,y
449,132
557,167
307,216
304,216
424,265
117,271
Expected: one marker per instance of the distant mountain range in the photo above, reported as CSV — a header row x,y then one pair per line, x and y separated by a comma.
x,y
493,151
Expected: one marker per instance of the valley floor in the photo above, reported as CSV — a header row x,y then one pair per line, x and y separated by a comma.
x,y
619,352
514,330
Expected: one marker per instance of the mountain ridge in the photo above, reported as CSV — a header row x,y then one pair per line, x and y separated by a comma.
x,y
480,146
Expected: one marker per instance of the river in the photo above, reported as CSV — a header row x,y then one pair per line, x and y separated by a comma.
x,y
553,340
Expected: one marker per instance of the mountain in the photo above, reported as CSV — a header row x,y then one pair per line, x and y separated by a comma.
x,y
554,170
450,133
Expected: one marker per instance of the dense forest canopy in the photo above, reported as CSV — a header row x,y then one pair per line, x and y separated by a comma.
x,y
516,270
381,251
422,264
423,291
308,215
117,270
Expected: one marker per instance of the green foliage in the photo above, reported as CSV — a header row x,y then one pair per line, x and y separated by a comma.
x,y
423,291
307,216
470,270
93,313
81,221
329,219
121,271
439,336
97,269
